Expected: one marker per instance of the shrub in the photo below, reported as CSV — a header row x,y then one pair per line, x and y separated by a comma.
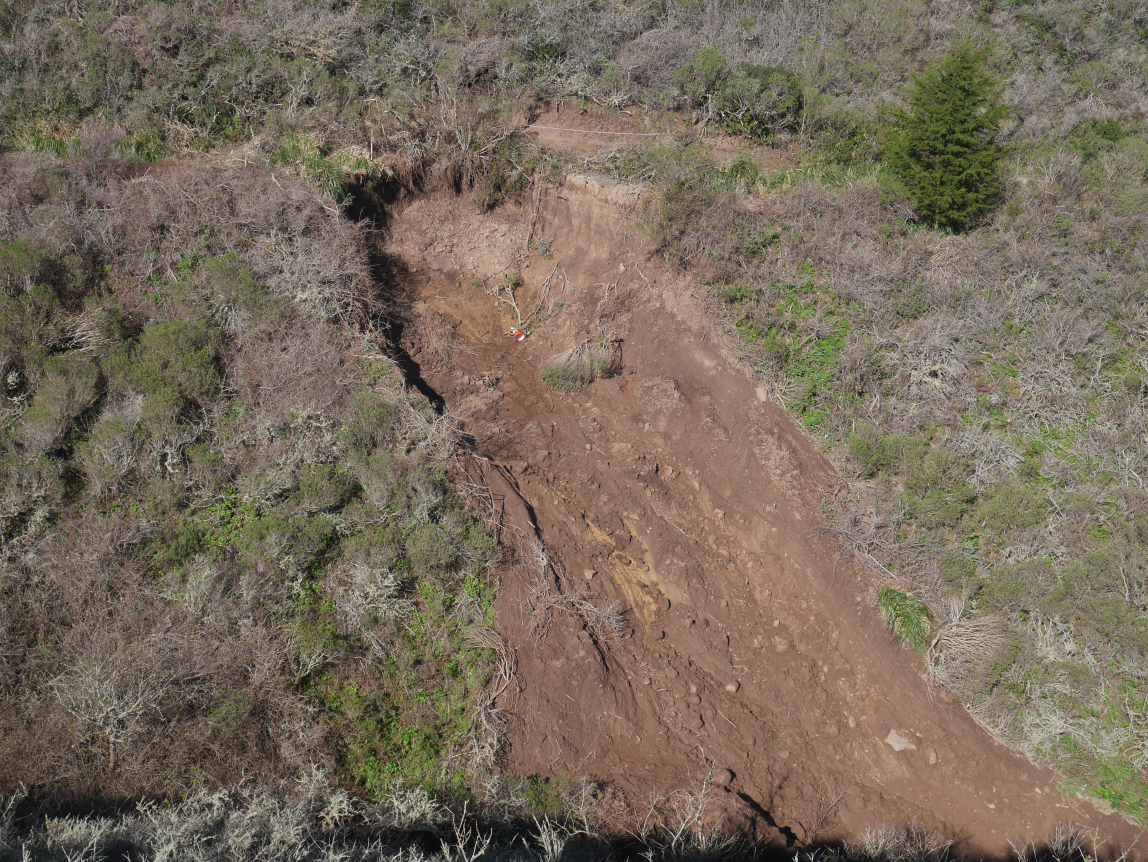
x,y
431,548
957,568
875,451
943,148
70,386
756,101
907,616
177,358
1012,507
702,76
760,101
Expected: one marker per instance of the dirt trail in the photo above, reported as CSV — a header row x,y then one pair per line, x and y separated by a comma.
x,y
592,131
754,654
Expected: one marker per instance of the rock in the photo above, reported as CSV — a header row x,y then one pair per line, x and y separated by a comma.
x,y
693,688
664,603
659,634
722,778
930,755
695,721
588,574
624,560
732,687
781,644
898,742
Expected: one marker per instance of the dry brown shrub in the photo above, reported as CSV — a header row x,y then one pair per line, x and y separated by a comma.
x,y
652,59
477,60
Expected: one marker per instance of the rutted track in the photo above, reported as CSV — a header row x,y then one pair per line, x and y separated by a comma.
x,y
680,491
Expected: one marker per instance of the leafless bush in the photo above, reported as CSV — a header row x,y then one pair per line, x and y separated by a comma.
x,y
331,38
99,159
362,592
607,624
109,696
962,649
652,59
477,60
913,844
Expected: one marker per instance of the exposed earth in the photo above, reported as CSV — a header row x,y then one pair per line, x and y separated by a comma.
x,y
752,656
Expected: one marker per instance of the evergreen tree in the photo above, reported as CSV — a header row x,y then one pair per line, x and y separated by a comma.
x,y
943,148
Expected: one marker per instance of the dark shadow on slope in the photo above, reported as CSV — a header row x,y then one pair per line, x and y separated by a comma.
x,y
31,829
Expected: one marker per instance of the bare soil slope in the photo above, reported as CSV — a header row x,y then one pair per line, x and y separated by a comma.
x,y
753,653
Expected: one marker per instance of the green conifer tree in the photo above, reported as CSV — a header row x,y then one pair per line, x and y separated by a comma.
x,y
943,149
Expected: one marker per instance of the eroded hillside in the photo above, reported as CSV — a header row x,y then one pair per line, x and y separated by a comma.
x,y
673,491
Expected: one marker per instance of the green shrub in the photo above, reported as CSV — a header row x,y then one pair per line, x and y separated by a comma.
x,y
70,386
372,426
907,616
431,548
943,149
288,544
1031,585
759,101
875,451
565,378
756,101
702,76
183,546
176,360
957,568
323,488
233,291
941,469
1011,507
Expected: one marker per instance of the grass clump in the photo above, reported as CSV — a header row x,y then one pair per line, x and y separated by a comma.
x,y
907,616
574,369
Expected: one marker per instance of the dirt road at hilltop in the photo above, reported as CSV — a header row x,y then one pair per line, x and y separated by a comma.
x,y
753,653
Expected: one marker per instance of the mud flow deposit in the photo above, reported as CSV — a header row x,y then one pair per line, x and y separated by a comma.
x,y
679,614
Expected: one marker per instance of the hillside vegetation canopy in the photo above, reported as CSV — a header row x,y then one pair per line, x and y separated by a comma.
x,y
204,537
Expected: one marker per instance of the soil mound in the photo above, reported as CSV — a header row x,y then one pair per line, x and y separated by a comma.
x,y
669,490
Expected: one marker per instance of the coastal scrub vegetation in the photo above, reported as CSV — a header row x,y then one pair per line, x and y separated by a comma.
x,y
229,547
203,536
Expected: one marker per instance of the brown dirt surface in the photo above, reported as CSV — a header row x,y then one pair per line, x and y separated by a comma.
x,y
752,652
592,131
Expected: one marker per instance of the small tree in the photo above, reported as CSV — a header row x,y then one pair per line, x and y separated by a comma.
x,y
943,148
